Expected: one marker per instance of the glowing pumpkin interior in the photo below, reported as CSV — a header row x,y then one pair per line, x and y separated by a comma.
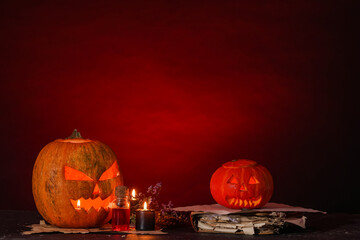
x,y
243,194
95,201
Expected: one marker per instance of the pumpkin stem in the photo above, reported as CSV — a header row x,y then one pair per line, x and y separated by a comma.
x,y
75,134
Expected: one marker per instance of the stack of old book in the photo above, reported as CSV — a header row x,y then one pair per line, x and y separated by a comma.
x,y
270,219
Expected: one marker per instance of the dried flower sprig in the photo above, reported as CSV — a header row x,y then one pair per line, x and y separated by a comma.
x,y
165,215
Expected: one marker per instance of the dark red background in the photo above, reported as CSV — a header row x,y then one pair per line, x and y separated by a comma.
x,y
176,88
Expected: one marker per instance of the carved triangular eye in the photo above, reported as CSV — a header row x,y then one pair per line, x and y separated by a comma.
x,y
253,180
112,172
73,174
233,180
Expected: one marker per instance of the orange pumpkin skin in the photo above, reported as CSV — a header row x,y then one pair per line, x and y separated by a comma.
x,y
68,170
241,184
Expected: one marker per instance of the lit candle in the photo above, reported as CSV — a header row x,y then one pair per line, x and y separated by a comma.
x,y
133,202
133,195
78,205
145,219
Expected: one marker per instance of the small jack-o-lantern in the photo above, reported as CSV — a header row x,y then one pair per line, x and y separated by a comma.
x,y
74,180
241,184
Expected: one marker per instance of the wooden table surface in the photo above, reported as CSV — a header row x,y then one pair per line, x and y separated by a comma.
x,y
319,226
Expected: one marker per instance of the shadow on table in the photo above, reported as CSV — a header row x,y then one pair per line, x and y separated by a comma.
x,y
326,222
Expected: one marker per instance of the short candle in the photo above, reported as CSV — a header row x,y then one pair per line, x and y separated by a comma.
x,y
78,205
145,219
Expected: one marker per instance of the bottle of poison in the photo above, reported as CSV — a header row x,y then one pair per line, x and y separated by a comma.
x,y
121,209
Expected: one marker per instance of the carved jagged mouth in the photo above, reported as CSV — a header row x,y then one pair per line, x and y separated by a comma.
x,y
240,203
89,203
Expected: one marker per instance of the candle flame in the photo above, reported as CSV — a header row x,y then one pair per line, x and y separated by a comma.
x,y
133,193
145,206
78,204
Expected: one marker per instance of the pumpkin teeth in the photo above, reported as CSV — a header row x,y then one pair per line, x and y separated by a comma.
x,y
231,201
257,201
96,204
237,202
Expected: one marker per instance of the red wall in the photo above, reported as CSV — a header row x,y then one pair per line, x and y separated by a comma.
x,y
177,88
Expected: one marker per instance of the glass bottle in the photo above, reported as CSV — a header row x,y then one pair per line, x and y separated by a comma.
x,y
121,209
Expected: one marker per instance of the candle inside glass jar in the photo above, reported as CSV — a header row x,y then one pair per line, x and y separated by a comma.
x,y
145,219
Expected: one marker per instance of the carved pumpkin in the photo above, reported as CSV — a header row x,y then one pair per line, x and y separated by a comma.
x,y
241,184
73,182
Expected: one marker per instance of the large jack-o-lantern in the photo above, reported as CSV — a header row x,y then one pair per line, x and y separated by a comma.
x,y
241,184
74,180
